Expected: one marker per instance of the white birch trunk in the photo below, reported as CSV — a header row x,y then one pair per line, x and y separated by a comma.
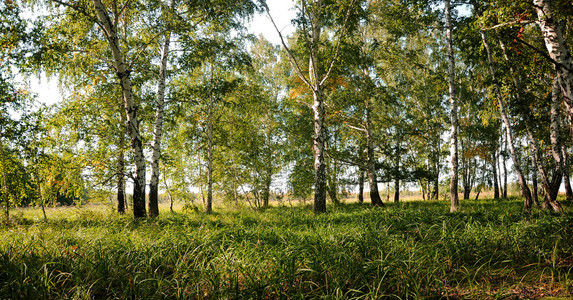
x,y
318,147
558,51
454,201
158,130
123,74
555,129
397,170
319,139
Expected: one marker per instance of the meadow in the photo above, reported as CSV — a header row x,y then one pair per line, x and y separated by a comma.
x,y
409,250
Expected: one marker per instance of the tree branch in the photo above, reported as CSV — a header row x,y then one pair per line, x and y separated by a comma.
x,y
518,22
293,60
143,47
309,44
540,52
356,128
78,9
337,51
304,103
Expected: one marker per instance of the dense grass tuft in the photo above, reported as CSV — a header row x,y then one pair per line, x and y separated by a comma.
x,y
404,251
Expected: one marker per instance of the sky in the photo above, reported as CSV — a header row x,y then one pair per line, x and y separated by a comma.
x,y
281,11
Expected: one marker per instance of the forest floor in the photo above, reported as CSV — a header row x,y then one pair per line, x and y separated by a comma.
x,y
409,250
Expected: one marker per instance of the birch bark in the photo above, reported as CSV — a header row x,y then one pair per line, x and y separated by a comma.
x,y
504,167
454,200
558,51
158,130
123,73
566,179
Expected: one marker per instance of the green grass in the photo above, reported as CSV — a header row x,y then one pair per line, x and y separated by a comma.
x,y
402,251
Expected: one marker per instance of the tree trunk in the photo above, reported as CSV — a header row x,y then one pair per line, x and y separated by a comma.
x,y
397,169
478,192
332,193
436,179
333,188
121,174
123,73
551,188
454,201
158,129
494,170
267,186
566,179
556,147
465,171
525,192
371,160
535,192
316,85
360,185
547,186
396,190
318,147
168,190
4,179
42,200
558,52
388,191
209,204
499,168
468,180
504,164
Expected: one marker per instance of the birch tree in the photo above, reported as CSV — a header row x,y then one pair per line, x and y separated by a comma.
x,y
114,19
557,49
315,17
454,201
167,11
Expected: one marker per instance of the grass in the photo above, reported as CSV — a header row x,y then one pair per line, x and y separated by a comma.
x,y
409,250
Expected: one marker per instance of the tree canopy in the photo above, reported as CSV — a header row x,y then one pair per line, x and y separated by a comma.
x,y
178,99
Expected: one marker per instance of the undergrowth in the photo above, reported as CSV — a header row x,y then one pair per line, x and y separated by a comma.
x,y
402,251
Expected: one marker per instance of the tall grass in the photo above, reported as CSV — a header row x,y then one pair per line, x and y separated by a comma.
x,y
403,251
